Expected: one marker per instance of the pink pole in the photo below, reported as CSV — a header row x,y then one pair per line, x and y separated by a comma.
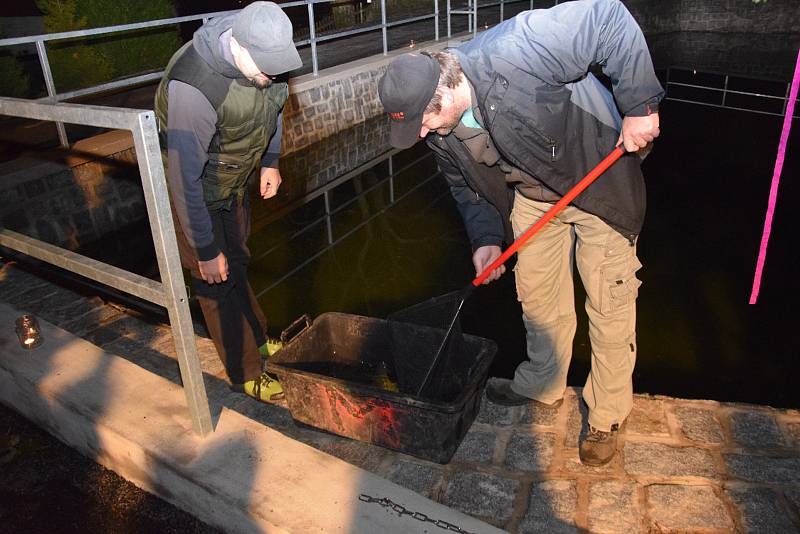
x,y
776,178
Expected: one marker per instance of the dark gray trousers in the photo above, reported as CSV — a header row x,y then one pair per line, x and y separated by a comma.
x,y
234,319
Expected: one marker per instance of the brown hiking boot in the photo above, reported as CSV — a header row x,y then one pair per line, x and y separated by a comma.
x,y
598,447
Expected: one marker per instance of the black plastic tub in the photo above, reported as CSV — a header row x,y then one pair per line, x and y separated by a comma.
x,y
353,376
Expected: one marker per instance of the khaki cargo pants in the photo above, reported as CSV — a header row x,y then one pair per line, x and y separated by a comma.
x,y
607,264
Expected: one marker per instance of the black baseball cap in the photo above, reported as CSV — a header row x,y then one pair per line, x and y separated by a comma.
x,y
265,31
405,91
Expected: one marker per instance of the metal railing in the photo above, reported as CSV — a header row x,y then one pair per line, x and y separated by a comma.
x,y
720,96
171,292
472,8
54,96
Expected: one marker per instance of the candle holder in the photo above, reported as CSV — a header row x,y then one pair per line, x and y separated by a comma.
x,y
28,332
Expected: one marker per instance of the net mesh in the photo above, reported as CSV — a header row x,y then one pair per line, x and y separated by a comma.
x,y
437,314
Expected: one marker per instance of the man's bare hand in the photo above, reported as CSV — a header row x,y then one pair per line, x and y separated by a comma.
x,y
270,182
483,257
637,132
214,271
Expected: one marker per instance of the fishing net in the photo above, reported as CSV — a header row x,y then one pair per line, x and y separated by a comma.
x,y
438,377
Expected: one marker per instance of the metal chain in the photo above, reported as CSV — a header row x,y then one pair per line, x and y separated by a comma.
x,y
419,516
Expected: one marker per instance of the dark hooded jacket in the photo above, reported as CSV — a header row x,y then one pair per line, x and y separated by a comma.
x,y
550,117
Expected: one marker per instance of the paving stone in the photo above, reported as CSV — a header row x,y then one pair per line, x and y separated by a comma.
x,y
64,306
144,332
476,447
687,507
494,414
699,425
530,452
15,282
146,358
33,299
576,422
482,495
418,477
663,460
762,511
87,322
794,433
209,359
551,508
613,508
271,414
763,468
647,417
793,496
757,430
538,415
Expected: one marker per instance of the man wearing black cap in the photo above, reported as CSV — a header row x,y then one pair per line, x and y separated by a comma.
x,y
219,113
516,119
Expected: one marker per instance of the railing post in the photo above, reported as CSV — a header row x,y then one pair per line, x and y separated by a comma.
x,y
436,19
145,138
471,23
328,223
391,180
501,10
449,33
312,37
51,88
786,98
383,28
725,91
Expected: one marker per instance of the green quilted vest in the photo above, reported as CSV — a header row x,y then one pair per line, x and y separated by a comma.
x,y
246,120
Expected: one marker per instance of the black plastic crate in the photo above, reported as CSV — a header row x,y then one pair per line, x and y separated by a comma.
x,y
353,376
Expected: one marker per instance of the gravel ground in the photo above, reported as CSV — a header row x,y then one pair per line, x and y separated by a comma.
x,y
47,487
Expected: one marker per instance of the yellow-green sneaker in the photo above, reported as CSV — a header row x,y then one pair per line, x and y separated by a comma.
x,y
265,388
270,347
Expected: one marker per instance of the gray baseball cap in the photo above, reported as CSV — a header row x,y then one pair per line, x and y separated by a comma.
x,y
265,31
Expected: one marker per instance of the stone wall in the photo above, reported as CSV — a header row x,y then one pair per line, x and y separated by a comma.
x,y
77,199
736,37
731,16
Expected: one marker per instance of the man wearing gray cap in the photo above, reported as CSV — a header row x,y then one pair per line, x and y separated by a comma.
x,y
516,118
219,113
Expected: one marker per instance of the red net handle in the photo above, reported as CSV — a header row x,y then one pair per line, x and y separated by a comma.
x,y
557,207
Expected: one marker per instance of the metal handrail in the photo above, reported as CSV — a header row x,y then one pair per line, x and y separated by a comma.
x,y
54,96
725,91
171,291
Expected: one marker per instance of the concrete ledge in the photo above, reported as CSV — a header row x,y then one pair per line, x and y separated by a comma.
x,y
244,477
